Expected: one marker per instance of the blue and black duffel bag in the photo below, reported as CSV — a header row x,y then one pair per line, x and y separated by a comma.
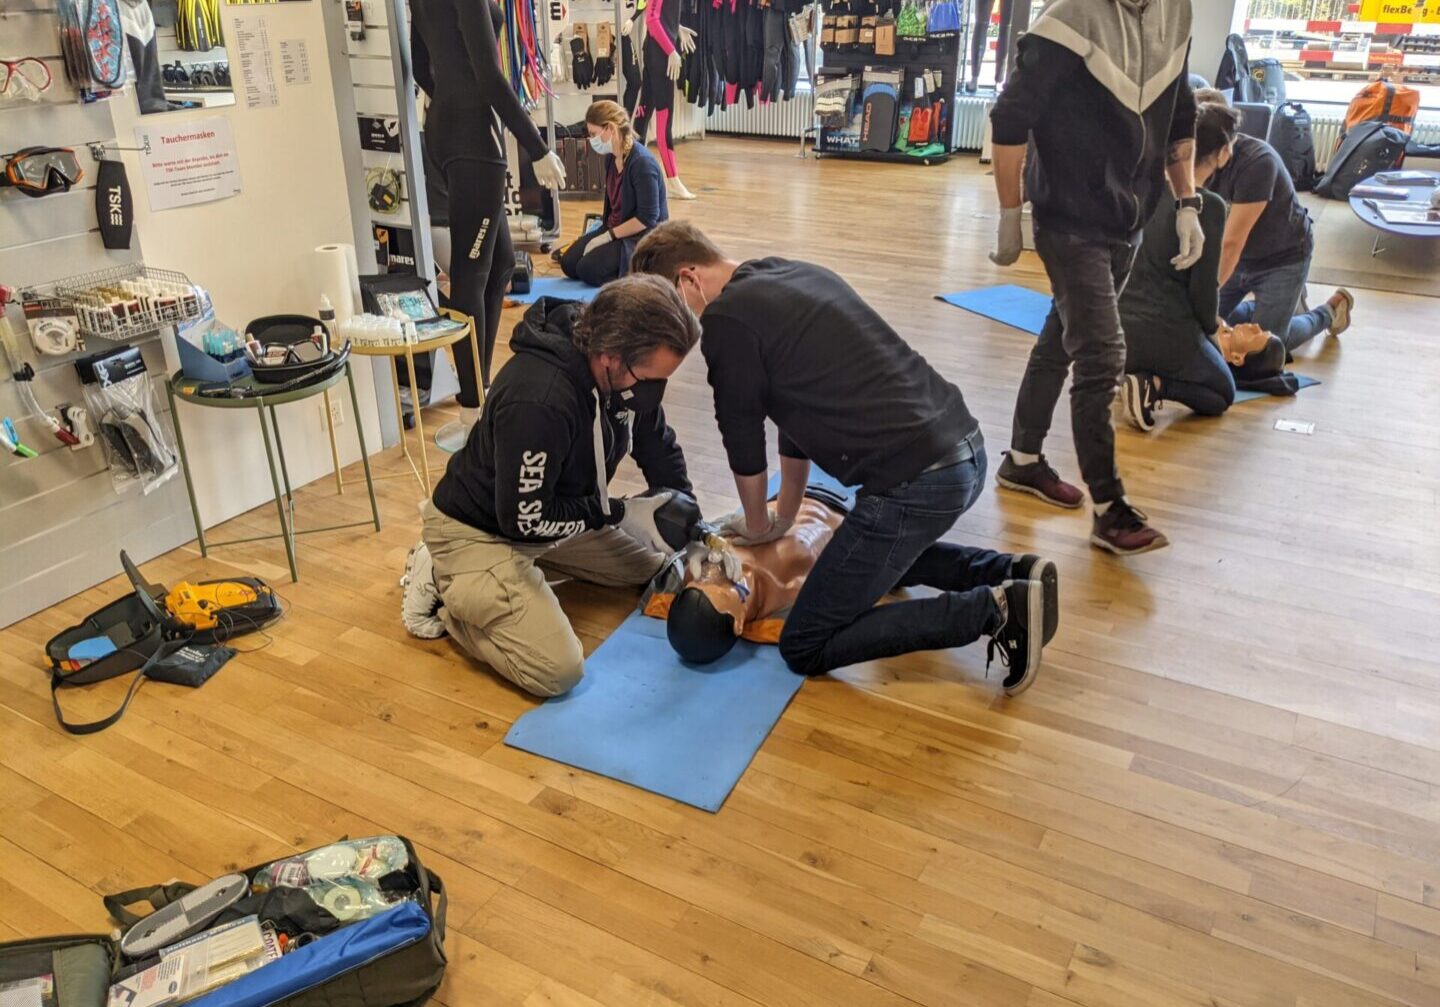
x,y
353,924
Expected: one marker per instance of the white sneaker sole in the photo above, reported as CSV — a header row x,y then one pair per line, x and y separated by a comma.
x,y
1130,394
1100,543
1004,483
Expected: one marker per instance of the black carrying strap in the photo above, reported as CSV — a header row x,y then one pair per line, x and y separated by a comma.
x,y
59,681
437,886
159,896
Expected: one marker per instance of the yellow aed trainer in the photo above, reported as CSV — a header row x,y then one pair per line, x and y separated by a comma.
x,y
201,606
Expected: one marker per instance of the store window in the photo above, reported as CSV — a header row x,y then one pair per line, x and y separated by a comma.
x,y
1330,48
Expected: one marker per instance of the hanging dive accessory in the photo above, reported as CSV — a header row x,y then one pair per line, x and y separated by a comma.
x,y
39,171
197,28
10,440
104,42
114,206
25,79
382,189
24,375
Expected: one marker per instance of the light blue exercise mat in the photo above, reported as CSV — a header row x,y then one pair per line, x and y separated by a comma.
x,y
556,286
1018,307
1246,396
643,717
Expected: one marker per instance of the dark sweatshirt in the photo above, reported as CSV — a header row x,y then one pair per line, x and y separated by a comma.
x,y
528,471
1167,314
1096,168
793,342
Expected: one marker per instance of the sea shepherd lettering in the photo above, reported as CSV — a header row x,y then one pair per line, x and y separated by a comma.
x,y
531,513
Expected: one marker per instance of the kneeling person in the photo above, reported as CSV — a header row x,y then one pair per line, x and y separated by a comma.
x,y
528,493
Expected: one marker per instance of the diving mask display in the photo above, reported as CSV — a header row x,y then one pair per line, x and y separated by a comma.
x,y
25,79
39,171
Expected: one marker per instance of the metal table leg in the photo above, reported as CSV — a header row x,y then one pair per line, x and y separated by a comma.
x,y
334,448
360,435
185,467
280,450
286,531
419,420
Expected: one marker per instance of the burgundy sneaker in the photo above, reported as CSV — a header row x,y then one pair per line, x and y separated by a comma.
x,y
1040,480
1124,531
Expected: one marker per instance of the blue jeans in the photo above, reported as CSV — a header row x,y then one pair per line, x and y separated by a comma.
x,y
891,540
1205,384
1277,298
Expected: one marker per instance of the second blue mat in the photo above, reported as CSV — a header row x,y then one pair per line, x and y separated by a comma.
x,y
1244,396
555,286
1018,307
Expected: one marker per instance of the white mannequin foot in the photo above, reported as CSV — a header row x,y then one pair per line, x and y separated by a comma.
x,y
676,189
451,437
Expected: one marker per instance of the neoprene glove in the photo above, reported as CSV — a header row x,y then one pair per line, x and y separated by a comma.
x,y
1009,241
604,71
1191,235
639,521
582,67
672,65
550,170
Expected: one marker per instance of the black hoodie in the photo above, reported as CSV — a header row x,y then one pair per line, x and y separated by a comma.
x,y
528,471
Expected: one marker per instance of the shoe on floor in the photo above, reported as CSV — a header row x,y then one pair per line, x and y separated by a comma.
x,y
1017,643
1125,531
1039,480
420,607
1141,399
1038,568
1342,304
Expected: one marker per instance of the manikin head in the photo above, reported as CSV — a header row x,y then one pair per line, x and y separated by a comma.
x,y
609,129
635,334
698,631
680,252
1215,128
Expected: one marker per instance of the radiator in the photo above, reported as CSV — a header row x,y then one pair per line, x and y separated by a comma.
x,y
971,116
778,118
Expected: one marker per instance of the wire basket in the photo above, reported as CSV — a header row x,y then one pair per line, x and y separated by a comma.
x,y
126,302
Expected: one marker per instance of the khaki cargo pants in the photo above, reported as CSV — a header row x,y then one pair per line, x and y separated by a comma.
x,y
499,608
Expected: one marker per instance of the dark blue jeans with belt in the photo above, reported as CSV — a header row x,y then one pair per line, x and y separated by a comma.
x,y
891,540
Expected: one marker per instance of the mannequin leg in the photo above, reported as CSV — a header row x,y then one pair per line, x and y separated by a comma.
x,y
1014,22
979,37
481,262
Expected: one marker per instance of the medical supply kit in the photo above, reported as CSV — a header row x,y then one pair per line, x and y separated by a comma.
x,y
356,923
176,636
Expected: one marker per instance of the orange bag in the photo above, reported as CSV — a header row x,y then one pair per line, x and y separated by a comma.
x,y
1381,101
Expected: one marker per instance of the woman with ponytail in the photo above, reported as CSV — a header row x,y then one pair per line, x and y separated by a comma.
x,y
634,199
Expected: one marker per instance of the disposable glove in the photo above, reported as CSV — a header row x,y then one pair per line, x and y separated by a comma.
x,y
639,521
550,170
1008,240
599,241
737,530
1192,237
713,550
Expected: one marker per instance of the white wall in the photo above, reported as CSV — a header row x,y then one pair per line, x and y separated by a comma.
x,y
252,253
1211,22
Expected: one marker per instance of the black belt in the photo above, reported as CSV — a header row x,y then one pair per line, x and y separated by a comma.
x,y
962,452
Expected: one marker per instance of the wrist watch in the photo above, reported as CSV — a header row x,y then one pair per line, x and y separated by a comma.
x,y
1190,202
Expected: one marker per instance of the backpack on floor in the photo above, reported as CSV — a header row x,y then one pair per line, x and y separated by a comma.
x,y
1292,135
1381,101
1368,148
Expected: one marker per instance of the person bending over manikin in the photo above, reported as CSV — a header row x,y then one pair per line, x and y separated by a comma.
x,y
718,590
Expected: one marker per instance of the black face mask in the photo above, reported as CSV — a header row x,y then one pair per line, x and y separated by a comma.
x,y
643,396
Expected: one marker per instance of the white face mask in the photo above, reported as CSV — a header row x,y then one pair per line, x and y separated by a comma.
x,y
600,146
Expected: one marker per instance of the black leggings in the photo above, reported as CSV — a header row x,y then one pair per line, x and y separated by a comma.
x,y
657,98
598,267
481,262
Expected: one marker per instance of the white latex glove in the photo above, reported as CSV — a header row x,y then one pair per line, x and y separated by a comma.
x,y
599,241
672,65
687,40
1009,241
639,520
1192,238
697,554
550,170
737,530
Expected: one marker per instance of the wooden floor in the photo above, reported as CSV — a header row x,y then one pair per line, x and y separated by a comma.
x,y
1223,791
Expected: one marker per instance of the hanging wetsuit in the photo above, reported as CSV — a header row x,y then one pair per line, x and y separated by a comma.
x,y
657,90
456,57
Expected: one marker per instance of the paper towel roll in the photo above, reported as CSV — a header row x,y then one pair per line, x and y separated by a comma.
x,y
336,276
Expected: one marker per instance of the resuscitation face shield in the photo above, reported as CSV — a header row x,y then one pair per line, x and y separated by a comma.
x,y
25,79
38,171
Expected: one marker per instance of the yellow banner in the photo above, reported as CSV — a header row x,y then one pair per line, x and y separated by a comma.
x,y
1400,11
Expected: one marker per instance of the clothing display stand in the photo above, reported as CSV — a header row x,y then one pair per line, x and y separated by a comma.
x,y
547,235
912,56
812,45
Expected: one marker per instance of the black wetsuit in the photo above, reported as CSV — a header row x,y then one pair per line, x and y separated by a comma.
x,y
456,57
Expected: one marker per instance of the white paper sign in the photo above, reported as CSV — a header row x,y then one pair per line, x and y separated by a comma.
x,y
1295,426
294,61
188,163
257,64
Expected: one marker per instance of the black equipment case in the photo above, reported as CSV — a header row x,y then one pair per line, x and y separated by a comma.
x,y
85,965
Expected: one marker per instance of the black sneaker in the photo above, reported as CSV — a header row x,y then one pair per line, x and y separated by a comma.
x,y
1017,646
1032,567
1141,400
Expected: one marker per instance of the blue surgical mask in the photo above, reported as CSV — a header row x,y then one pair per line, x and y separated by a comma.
x,y
600,146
